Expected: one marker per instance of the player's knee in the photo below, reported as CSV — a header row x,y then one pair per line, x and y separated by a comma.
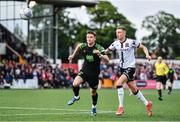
x,y
119,83
93,92
158,86
134,90
75,84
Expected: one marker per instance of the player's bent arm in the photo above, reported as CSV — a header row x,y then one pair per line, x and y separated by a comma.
x,y
107,51
76,51
175,76
145,50
105,58
166,69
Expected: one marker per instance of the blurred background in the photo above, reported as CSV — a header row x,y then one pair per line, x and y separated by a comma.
x,y
39,47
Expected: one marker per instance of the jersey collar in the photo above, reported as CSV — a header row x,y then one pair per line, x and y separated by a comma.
x,y
123,41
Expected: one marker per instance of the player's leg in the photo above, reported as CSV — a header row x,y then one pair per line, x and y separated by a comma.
x,y
159,88
136,92
164,80
170,86
130,92
93,82
120,90
94,95
140,96
77,81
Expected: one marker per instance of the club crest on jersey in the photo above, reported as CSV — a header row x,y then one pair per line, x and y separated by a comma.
x,y
126,44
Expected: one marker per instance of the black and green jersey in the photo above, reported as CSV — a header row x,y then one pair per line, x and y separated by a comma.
x,y
171,74
91,63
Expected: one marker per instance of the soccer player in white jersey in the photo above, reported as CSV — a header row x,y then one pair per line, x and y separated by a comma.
x,y
125,47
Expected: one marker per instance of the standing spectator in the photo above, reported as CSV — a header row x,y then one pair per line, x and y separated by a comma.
x,y
143,73
8,78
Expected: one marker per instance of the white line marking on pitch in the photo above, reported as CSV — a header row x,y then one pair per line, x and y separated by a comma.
x,y
41,109
37,114
50,109
72,111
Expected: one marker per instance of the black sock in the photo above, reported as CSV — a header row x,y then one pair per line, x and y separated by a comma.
x,y
169,88
119,86
160,93
76,91
95,98
164,87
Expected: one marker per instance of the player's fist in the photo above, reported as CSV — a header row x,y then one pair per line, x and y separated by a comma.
x,y
148,57
70,57
97,52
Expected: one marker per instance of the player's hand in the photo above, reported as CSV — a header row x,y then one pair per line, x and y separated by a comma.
x,y
70,58
148,57
97,52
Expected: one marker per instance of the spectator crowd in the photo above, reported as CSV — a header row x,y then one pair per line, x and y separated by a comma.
x,y
50,76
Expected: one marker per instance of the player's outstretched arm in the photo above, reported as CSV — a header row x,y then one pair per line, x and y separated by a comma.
x,y
146,52
76,51
103,57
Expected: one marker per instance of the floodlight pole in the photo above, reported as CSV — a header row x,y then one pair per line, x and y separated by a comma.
x,y
55,34
28,28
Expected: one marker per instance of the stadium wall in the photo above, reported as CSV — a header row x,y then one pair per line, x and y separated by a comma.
x,y
20,84
106,83
141,84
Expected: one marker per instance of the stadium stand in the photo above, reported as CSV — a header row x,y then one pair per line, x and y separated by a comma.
x,y
19,66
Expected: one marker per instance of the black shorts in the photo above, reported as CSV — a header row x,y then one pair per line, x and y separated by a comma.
x,y
171,80
129,72
161,79
92,80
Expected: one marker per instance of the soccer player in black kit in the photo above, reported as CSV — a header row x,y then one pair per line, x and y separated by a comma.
x,y
171,77
92,53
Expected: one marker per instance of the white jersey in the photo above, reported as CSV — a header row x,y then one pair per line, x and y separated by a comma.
x,y
126,51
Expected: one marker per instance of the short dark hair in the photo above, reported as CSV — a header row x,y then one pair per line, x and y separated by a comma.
x,y
121,27
91,32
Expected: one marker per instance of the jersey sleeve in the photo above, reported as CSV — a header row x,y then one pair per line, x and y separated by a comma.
x,y
135,43
100,48
112,47
82,45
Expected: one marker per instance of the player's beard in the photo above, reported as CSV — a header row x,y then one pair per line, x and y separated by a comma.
x,y
90,44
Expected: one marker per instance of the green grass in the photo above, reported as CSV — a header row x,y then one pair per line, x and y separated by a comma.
x,y
51,105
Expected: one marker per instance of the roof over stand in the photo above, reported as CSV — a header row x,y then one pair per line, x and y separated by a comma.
x,y
64,3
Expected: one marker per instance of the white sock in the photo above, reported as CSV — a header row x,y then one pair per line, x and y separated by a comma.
x,y
93,106
76,97
120,96
141,97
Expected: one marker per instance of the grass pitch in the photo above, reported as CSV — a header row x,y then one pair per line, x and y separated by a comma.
x,y
51,105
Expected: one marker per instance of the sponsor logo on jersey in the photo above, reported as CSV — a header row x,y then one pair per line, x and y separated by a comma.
x,y
126,44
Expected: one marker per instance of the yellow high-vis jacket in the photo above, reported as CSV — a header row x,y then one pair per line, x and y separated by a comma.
x,y
161,69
